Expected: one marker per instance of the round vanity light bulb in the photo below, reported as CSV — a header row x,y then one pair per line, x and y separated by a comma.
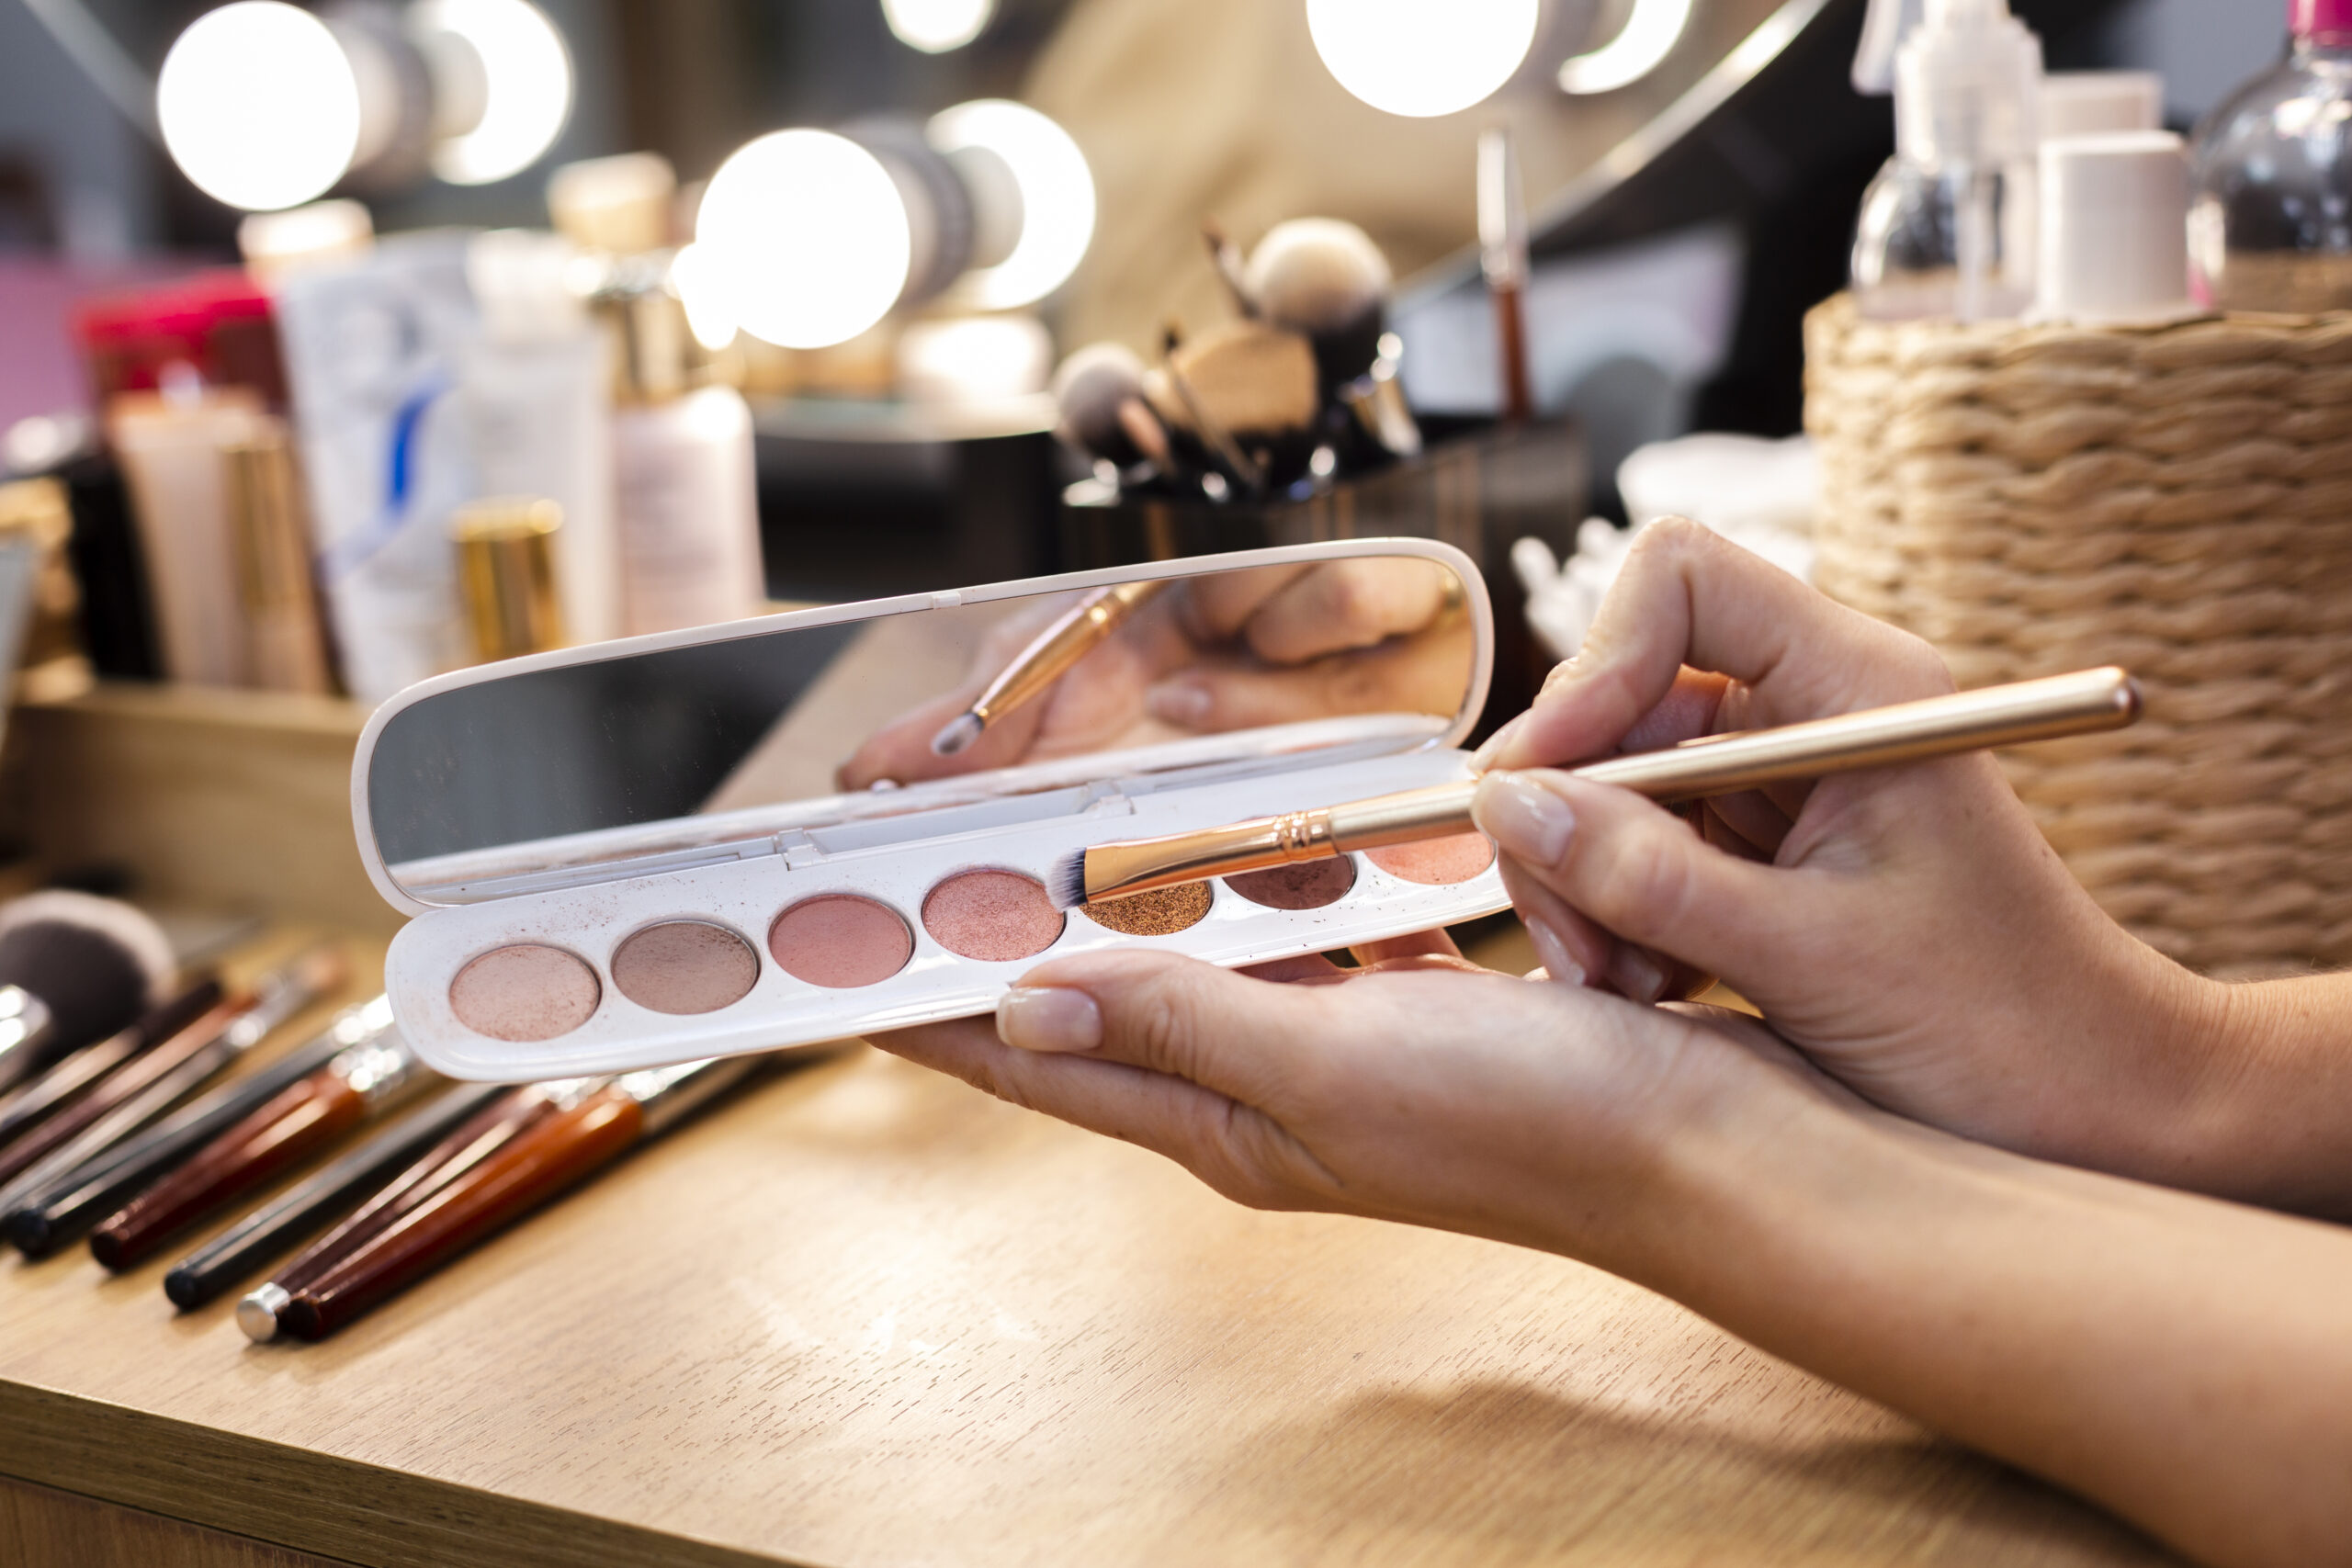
x,y
935,27
524,82
1652,30
259,106
1422,58
802,240
1056,197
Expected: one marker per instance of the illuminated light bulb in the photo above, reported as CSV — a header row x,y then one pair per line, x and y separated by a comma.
x,y
521,72
1422,58
1649,35
803,240
935,27
259,106
1057,198
707,314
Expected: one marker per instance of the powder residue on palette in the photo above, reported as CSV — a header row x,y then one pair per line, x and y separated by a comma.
x,y
995,916
1163,911
1303,885
840,940
524,993
1435,862
685,967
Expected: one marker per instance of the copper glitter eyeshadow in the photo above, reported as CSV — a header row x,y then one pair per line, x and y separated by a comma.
x,y
1163,911
525,992
995,916
1306,884
840,940
1435,862
685,966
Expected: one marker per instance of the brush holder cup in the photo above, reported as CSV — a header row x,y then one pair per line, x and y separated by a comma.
x,y
2176,498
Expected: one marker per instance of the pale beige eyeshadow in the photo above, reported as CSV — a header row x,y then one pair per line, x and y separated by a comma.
x,y
525,992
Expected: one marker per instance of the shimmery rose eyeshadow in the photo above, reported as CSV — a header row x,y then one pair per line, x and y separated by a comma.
x,y
524,993
1160,912
840,940
1436,862
997,916
1304,885
685,966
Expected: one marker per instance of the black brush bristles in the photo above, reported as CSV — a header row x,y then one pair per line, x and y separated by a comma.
x,y
1066,884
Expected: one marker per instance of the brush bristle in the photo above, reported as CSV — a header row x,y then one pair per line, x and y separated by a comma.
x,y
957,734
1066,884
98,963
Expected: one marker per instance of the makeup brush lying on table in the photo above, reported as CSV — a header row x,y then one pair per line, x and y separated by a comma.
x,y
2078,704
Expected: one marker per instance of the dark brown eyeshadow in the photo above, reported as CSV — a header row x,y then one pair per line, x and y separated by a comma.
x,y
1163,911
1308,885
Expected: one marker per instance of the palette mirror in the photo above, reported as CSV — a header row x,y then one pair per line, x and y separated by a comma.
x,y
740,741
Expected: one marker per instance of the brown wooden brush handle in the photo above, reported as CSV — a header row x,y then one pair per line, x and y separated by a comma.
x,y
480,1137
304,1117
125,1083
1510,330
547,1158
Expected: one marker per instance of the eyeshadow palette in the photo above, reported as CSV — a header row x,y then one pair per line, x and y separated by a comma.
x,y
600,885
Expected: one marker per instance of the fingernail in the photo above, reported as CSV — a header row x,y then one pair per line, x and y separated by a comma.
x,y
1530,823
1484,756
1558,965
1636,975
1048,1018
1179,702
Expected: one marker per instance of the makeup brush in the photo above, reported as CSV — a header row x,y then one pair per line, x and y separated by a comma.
x,y
74,968
1502,256
35,1101
1050,654
2078,704
1226,256
303,1209
551,1155
1090,389
1245,392
364,1080
1324,279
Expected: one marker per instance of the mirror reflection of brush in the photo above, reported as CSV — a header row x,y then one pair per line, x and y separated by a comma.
x,y
1050,656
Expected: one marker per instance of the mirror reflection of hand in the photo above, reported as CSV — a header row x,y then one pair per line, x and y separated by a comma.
x,y
1224,652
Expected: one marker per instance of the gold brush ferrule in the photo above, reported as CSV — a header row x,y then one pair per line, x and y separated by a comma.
x,y
1140,865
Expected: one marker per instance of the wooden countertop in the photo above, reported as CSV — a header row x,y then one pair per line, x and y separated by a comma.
x,y
866,1316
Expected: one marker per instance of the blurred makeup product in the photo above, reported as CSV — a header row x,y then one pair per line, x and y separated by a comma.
x,y
1232,268
315,1203
319,234
506,566
2273,177
122,1151
1502,257
2114,229
1325,278
73,969
619,206
587,1129
284,635
1435,823
39,651
606,947
2099,102
117,610
1050,656
1245,393
1090,389
170,446
34,1101
1377,399
363,1081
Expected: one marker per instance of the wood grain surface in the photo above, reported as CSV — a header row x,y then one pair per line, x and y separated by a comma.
x,y
866,1316
42,1528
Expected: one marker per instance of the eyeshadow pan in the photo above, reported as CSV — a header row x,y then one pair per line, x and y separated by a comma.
x,y
1436,862
1302,885
997,916
1160,912
524,993
685,966
840,940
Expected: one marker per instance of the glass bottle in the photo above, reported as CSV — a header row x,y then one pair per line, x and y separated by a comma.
x,y
2270,213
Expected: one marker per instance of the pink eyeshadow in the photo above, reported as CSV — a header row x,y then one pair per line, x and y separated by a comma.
x,y
840,940
685,966
524,993
997,916
1308,884
1435,862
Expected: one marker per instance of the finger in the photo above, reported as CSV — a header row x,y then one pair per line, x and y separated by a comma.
x,y
1236,1149
1427,674
1573,949
1417,944
1347,605
1688,595
1641,875
1218,605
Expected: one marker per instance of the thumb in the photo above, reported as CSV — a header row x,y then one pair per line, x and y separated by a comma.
x,y
1630,867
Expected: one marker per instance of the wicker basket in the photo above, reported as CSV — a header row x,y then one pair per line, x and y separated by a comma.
x,y
2177,500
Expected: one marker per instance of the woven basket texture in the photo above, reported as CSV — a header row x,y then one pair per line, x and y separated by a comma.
x,y
2177,500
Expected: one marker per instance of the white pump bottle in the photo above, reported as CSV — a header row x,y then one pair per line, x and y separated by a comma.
x,y
1947,228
